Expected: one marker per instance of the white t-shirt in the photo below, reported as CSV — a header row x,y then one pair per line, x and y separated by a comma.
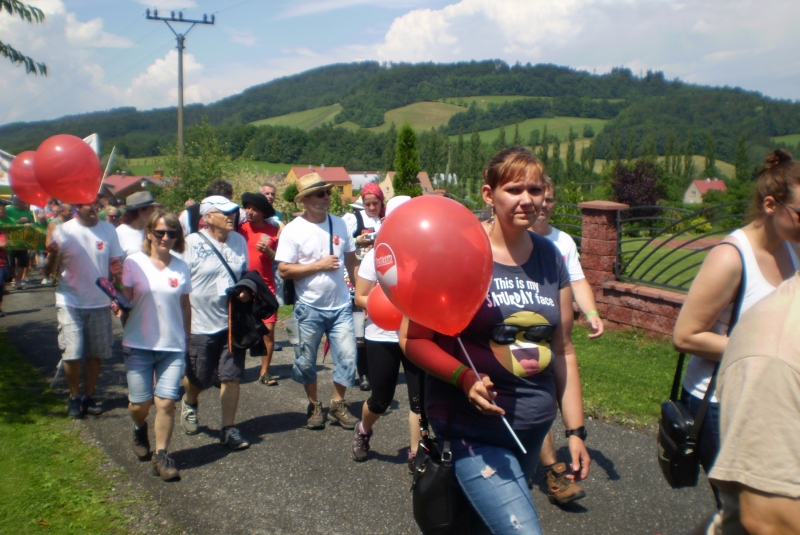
x,y
156,320
130,239
210,279
303,242
372,331
569,251
369,222
85,254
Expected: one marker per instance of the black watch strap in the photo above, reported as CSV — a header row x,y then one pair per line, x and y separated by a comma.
x,y
579,432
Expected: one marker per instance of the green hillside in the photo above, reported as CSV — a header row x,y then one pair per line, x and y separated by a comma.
x,y
145,166
305,120
420,115
558,126
483,101
791,139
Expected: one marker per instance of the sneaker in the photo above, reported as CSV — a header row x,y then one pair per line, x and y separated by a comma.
x,y
90,407
231,437
74,408
363,384
361,444
164,466
412,461
314,413
25,281
560,490
22,286
341,415
188,417
141,444
278,347
46,281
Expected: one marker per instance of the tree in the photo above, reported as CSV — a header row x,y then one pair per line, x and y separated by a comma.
x,y
569,163
337,207
742,161
391,145
533,141
459,167
688,159
588,131
33,15
544,148
639,186
475,156
406,163
517,140
500,142
710,170
554,168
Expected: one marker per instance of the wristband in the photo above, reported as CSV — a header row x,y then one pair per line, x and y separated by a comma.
x,y
592,313
457,374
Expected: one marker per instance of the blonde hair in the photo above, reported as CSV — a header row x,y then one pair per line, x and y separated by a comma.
x,y
171,220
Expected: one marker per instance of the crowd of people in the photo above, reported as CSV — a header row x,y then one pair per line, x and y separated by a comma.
x,y
181,276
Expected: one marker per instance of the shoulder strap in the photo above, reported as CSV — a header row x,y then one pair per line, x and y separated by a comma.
x,y
359,223
194,217
330,231
219,255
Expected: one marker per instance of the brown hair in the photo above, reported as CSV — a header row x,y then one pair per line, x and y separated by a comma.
x,y
509,164
171,219
776,177
547,184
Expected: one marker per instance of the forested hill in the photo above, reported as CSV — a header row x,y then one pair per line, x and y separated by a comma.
x,y
637,108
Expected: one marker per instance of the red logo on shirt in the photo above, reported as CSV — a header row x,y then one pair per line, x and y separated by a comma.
x,y
100,245
386,268
336,240
173,282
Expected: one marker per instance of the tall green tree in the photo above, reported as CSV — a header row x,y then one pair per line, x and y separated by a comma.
x,y
33,15
433,154
459,158
650,152
688,159
588,157
533,140
475,155
391,147
544,148
554,167
710,170
500,142
517,140
570,172
406,163
742,161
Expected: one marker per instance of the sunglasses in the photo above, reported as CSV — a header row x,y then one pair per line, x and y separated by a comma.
x,y
791,208
506,333
322,194
170,234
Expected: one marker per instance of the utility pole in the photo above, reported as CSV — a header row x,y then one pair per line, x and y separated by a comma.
x,y
180,38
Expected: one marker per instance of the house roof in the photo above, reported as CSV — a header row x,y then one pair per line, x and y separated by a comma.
x,y
120,184
329,174
422,177
710,184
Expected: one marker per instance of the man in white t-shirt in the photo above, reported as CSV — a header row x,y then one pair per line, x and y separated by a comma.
x,y
312,251
138,209
79,252
208,350
561,489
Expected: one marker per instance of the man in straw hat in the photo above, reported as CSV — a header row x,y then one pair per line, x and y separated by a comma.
x,y
312,251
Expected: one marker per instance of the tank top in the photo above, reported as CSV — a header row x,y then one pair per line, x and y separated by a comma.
x,y
699,370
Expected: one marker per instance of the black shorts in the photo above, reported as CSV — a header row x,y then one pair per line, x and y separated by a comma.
x,y
208,353
18,259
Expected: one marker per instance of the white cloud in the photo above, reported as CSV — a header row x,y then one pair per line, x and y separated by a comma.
x,y
313,7
242,37
91,34
166,5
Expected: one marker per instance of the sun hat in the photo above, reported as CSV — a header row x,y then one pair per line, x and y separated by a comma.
x,y
259,202
140,199
218,203
358,205
310,183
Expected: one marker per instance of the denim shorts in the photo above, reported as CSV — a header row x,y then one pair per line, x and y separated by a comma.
x,y
141,364
337,324
84,331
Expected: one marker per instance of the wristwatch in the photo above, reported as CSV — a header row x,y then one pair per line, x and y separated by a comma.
x,y
579,432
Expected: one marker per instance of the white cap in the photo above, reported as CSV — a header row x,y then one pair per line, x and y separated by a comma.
x,y
394,202
219,203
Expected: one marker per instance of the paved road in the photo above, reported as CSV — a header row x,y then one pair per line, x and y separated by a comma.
x,y
293,480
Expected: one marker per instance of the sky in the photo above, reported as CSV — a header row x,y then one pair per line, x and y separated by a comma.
x,y
104,54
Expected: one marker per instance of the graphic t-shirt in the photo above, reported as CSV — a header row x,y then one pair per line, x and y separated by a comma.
x,y
130,239
303,242
210,279
519,299
569,252
85,254
367,272
156,320
258,261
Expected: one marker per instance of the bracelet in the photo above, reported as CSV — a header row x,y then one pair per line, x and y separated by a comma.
x,y
592,313
457,374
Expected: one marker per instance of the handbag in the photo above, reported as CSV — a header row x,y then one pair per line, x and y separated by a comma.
x,y
440,506
678,430
289,292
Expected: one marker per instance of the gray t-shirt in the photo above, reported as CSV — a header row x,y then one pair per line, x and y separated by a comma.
x,y
520,298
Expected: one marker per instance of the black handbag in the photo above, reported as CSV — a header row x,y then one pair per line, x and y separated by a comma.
x,y
289,293
678,431
440,506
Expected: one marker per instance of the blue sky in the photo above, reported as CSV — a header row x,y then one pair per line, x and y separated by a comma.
x,y
103,54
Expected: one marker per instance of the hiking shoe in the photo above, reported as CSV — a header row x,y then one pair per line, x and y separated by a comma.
x,y
164,466
90,407
74,408
314,413
231,437
188,417
361,444
560,490
412,461
141,444
363,384
341,415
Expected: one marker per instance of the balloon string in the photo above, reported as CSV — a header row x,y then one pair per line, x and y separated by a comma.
x,y
475,371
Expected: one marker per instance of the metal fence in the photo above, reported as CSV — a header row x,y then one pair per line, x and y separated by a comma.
x,y
567,218
664,247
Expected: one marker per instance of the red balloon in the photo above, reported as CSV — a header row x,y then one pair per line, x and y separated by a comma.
x,y
23,180
434,261
382,312
68,169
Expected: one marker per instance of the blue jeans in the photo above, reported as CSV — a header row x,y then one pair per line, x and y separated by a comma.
x,y
140,364
337,324
709,435
494,474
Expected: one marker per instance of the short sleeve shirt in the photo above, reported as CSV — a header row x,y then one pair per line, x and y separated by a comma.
x,y
130,239
367,272
569,252
521,297
258,261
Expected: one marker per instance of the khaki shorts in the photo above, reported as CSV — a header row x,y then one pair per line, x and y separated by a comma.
x,y
84,331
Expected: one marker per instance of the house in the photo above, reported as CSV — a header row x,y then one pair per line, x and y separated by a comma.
x,y
123,185
360,178
332,175
694,193
422,178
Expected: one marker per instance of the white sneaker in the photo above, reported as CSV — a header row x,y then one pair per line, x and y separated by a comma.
x,y
46,281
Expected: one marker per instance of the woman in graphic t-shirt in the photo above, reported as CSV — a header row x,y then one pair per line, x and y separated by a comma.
x,y
770,258
157,283
519,342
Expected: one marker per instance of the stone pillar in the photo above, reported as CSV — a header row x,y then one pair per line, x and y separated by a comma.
x,y
599,244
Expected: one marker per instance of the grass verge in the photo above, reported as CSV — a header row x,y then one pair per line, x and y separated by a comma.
x,y
52,481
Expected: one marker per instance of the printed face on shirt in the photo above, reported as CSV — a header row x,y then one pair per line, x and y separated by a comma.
x,y
523,357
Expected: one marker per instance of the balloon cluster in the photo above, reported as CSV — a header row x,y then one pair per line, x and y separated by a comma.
x,y
434,264
63,167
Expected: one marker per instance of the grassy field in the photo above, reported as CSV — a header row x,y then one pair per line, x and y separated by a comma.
x,y
483,101
420,115
661,258
558,126
791,139
52,482
145,166
305,120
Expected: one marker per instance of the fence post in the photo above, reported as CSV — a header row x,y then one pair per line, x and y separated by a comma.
x,y
599,243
